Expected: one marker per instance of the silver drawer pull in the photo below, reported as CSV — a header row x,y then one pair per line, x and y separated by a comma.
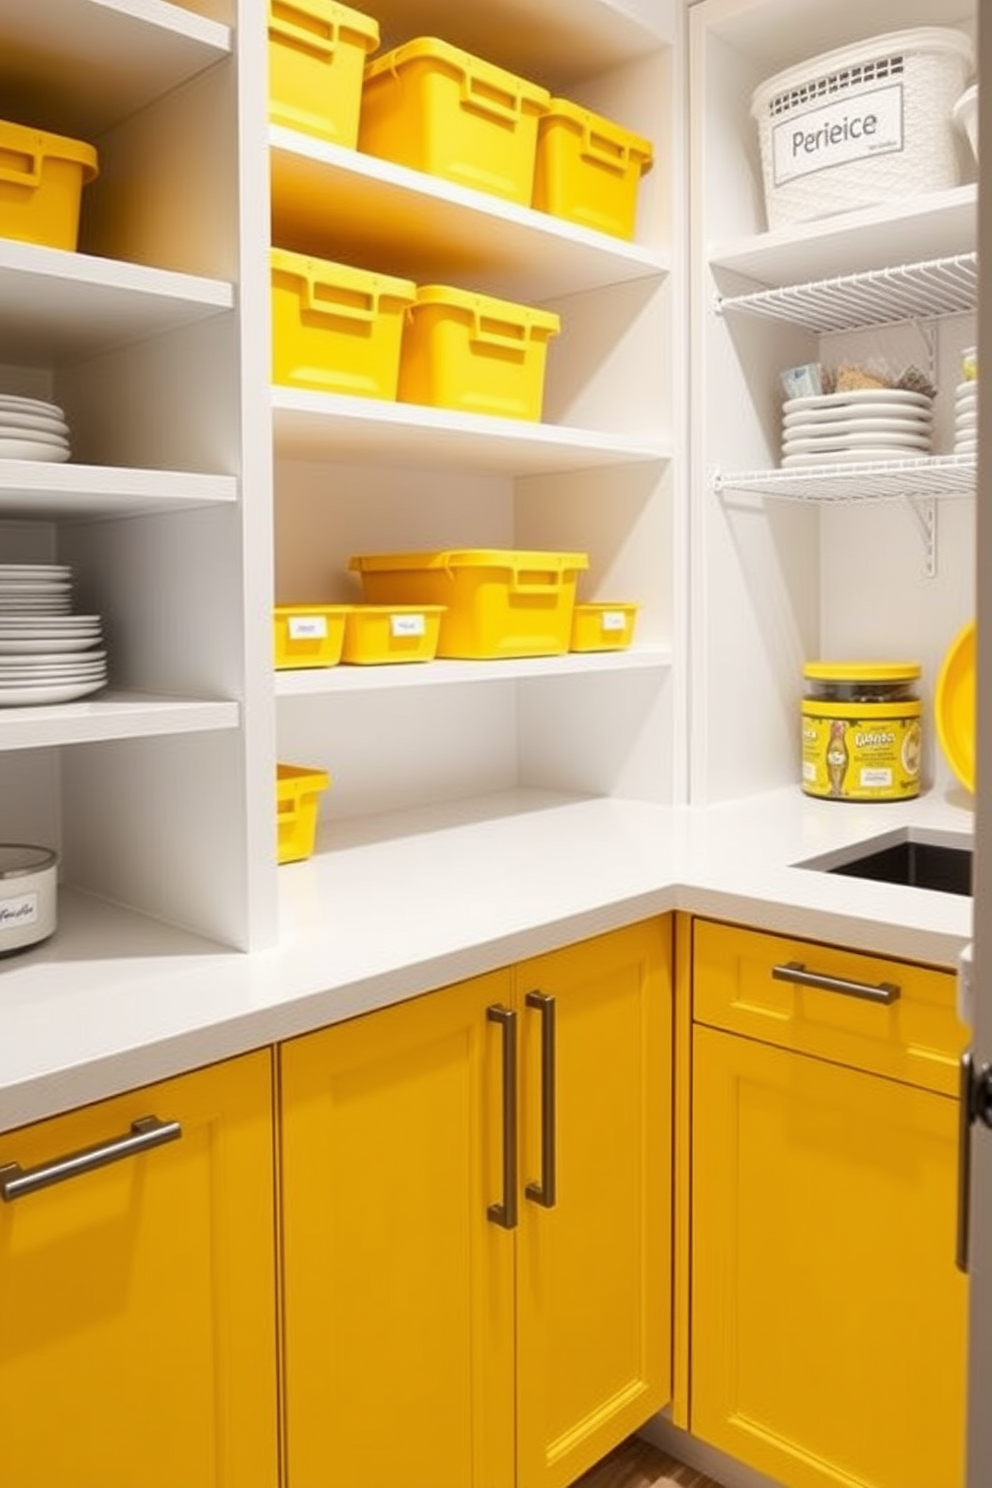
x,y
146,1132
795,971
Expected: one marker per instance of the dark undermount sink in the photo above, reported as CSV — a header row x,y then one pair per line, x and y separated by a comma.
x,y
910,859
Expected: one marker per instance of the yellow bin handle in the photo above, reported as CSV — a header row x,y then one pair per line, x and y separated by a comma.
x,y
305,36
312,285
534,581
599,150
28,175
483,98
514,340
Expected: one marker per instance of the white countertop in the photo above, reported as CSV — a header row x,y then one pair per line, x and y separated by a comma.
x,y
114,1001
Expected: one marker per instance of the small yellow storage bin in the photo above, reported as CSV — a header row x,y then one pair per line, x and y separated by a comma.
x,y
387,633
298,792
317,52
498,603
603,627
588,169
41,185
430,106
474,353
335,328
308,635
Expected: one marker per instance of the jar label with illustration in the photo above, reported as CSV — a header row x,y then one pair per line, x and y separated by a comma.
x,y
861,759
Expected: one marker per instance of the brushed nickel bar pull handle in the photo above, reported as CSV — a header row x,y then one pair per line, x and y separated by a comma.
x,y
505,1213
545,1192
795,971
146,1132
965,1118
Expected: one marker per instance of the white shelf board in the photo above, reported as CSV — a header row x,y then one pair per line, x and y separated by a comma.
x,y
83,65
557,43
58,307
388,218
321,426
332,681
36,489
935,226
113,715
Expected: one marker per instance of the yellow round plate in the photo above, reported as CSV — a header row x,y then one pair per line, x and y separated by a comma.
x,y
954,706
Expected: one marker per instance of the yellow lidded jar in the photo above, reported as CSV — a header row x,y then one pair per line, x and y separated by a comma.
x,y
861,732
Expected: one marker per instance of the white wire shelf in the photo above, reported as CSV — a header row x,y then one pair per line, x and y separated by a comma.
x,y
874,480
907,292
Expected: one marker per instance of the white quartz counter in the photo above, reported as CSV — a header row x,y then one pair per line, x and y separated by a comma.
x,y
114,1001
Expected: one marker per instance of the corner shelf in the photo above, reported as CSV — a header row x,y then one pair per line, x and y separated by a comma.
x,y
869,480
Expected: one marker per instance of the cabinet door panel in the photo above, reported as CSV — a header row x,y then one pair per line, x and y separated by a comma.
x,y
594,1271
398,1288
828,1317
137,1318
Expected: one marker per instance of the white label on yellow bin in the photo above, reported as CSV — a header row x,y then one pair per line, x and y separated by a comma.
x,y
307,627
407,625
871,124
614,620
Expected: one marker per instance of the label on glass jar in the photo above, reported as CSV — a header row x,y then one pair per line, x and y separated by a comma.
x,y
861,758
18,912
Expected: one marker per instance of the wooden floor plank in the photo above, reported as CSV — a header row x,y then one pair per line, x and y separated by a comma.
x,y
637,1464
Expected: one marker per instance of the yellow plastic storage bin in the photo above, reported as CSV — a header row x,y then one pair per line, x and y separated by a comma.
x,y
588,169
308,635
498,603
317,52
603,627
376,634
474,353
41,185
430,106
335,328
298,792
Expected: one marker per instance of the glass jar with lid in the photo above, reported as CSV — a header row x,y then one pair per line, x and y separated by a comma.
x,y
861,731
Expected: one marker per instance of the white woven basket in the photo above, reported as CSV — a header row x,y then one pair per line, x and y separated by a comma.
x,y
868,123
966,117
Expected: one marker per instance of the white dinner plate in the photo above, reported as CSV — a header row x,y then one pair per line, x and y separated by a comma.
x,y
50,658
857,441
12,401
966,421
25,449
858,398
65,692
966,389
868,455
50,625
76,672
884,423
30,585
966,447
35,570
27,645
11,422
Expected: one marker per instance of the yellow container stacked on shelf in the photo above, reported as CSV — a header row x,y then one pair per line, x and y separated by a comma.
x,y
588,169
598,626
498,602
308,635
378,634
435,108
42,177
335,328
317,52
298,792
474,353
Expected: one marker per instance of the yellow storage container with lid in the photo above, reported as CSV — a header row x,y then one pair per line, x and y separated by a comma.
x,y
498,602
475,353
861,733
435,108
317,52
42,177
335,328
588,168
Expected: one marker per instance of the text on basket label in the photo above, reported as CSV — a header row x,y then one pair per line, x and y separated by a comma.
x,y
838,133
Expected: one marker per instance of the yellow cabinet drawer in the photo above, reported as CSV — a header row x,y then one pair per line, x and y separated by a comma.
x,y
889,1017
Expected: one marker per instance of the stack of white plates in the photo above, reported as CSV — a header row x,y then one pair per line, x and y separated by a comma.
x,y
47,654
31,429
863,424
966,418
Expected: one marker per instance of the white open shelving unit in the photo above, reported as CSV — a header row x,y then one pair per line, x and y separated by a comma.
x,y
600,473
816,562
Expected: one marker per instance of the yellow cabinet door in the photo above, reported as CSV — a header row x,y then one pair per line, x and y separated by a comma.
x,y
398,1286
593,1263
827,1314
137,1319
